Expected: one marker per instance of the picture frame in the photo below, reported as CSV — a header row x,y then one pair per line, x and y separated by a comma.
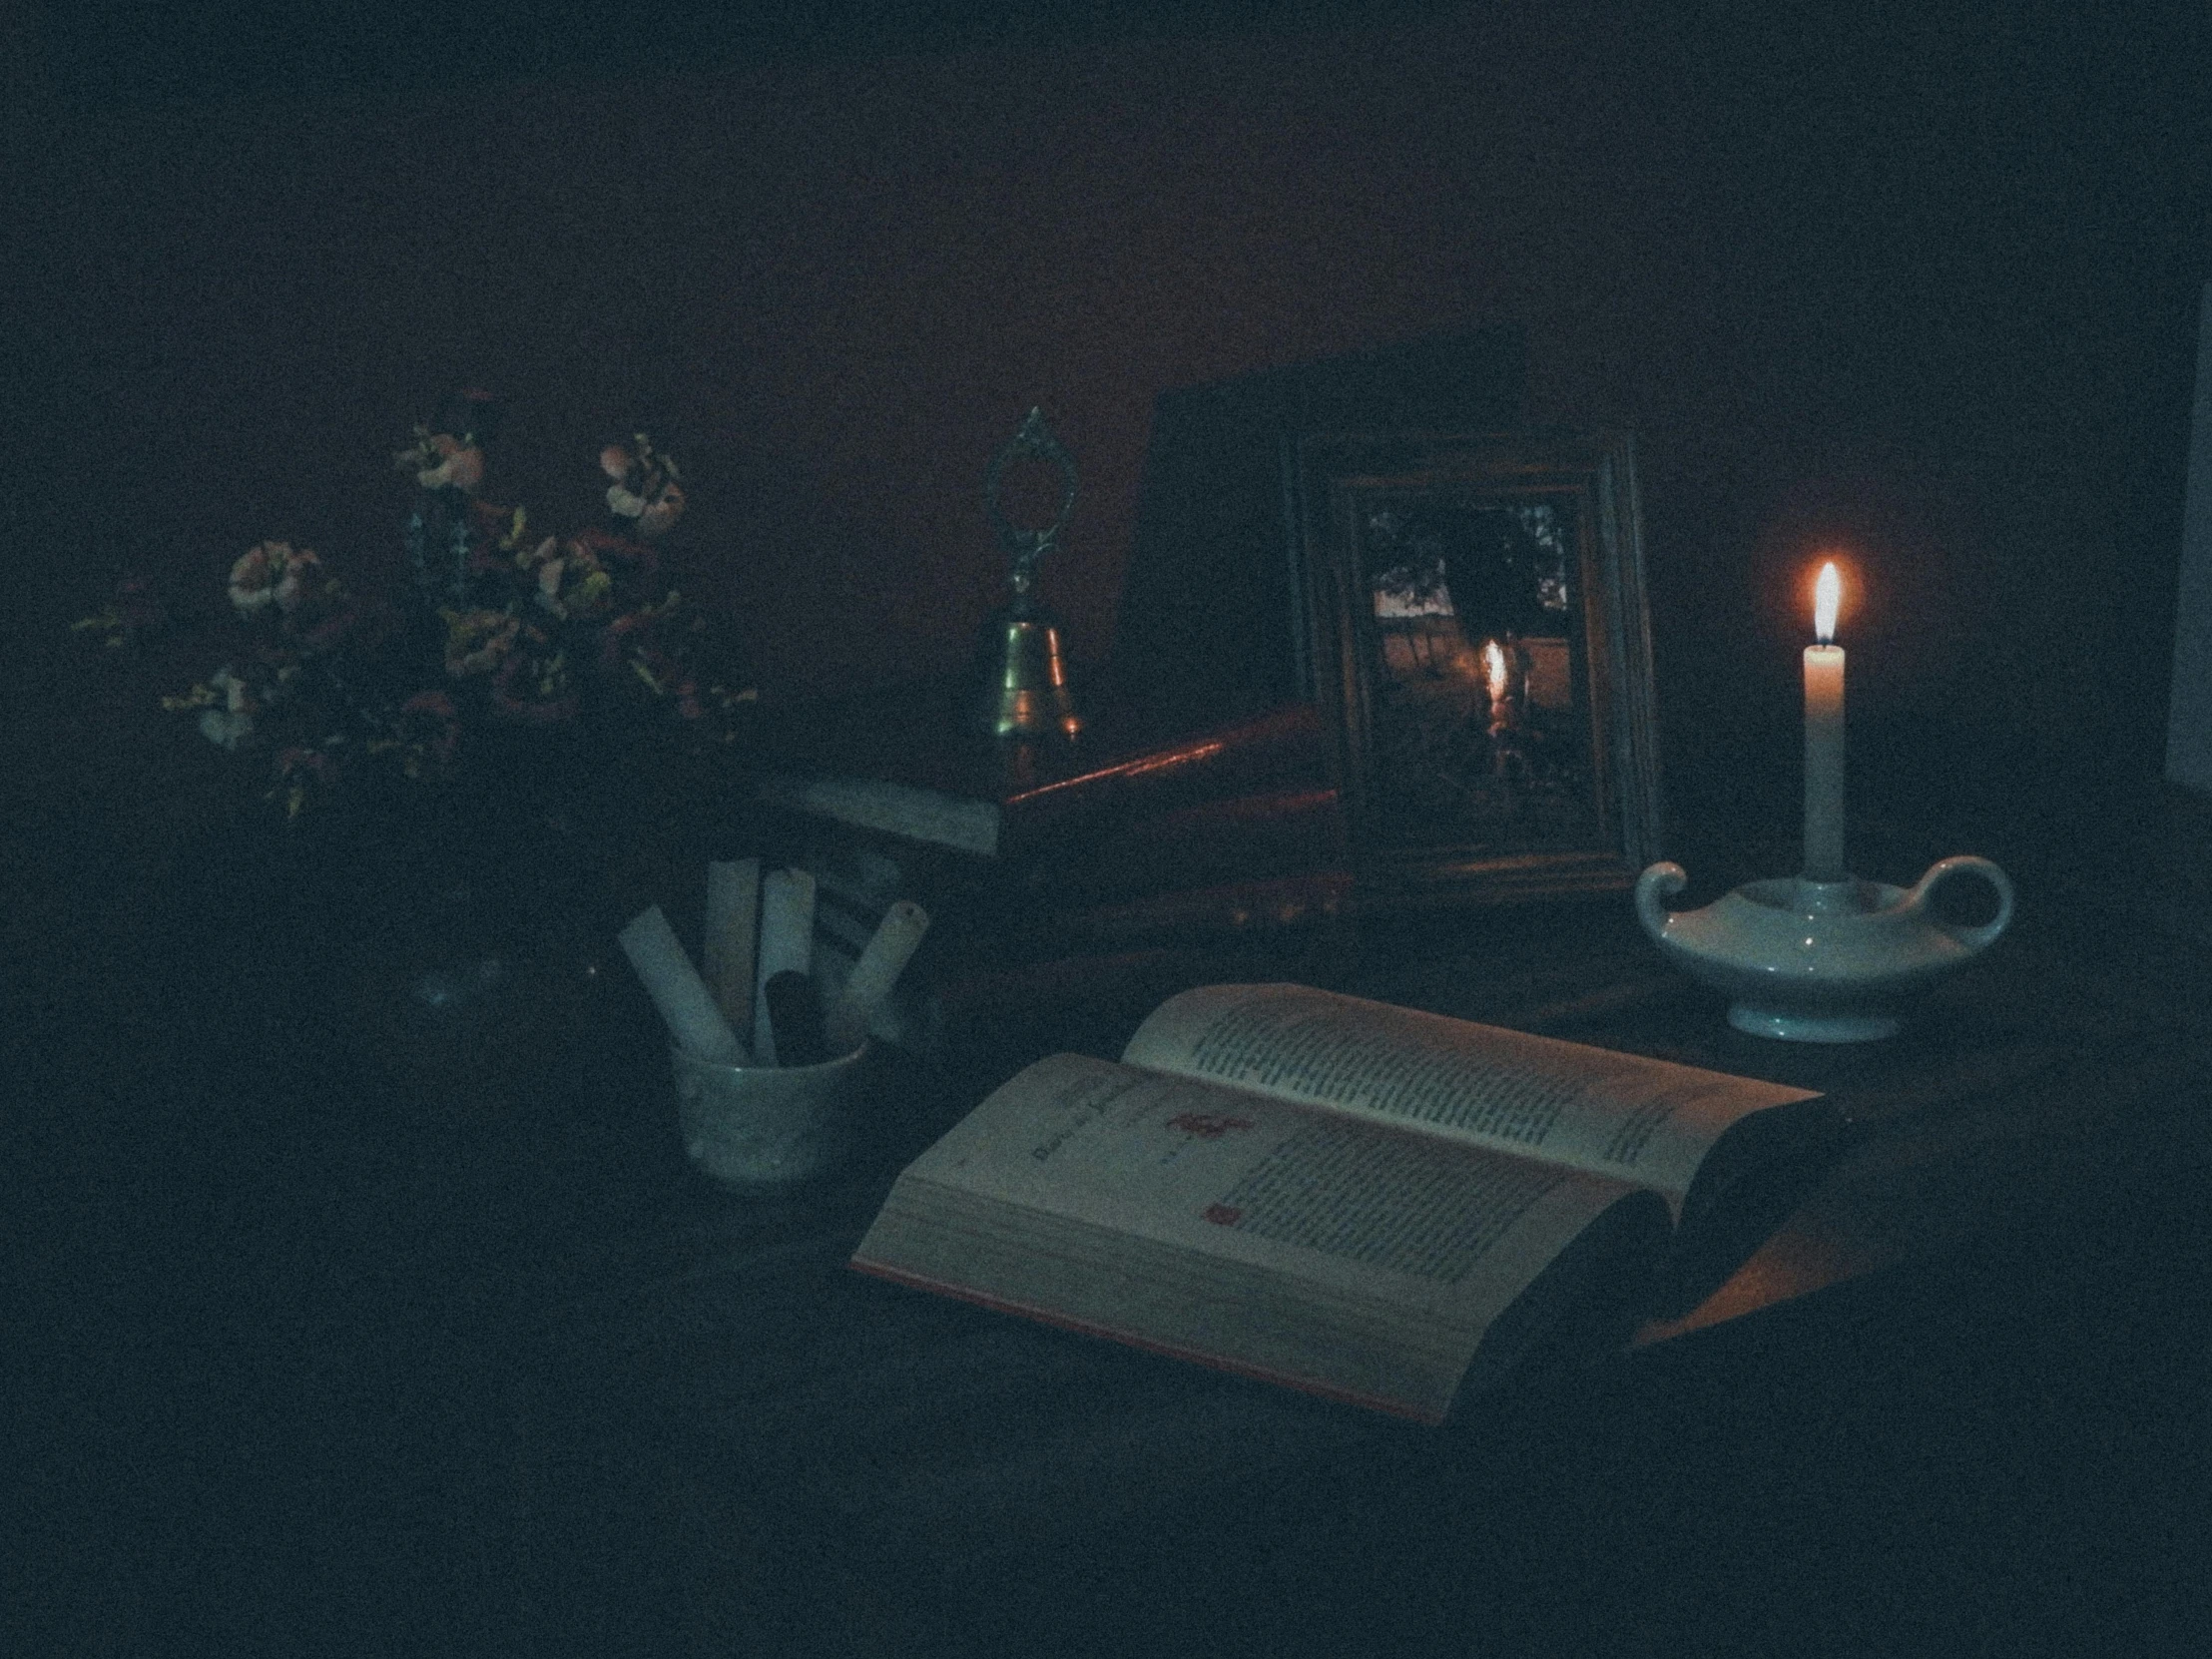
x,y
1475,629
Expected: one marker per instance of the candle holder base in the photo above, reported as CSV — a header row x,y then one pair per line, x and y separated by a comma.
x,y
1820,962
1783,1025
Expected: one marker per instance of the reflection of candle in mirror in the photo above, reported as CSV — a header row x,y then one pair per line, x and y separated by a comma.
x,y
1824,735
1499,676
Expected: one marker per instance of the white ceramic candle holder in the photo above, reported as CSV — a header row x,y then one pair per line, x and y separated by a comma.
x,y
1818,961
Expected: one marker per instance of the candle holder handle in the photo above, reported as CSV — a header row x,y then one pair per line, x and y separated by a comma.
x,y
1970,938
1658,884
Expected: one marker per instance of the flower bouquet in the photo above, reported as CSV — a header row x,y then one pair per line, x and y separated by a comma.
x,y
530,699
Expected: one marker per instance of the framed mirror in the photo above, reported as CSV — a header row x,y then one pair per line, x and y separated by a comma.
x,y
1475,629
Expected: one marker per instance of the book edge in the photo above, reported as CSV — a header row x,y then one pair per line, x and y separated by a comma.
x,y
889,809
1127,1339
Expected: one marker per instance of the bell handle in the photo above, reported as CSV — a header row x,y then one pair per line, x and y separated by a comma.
x,y
1034,439
1964,863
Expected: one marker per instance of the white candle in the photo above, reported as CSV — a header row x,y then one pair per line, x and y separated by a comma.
x,y
1823,737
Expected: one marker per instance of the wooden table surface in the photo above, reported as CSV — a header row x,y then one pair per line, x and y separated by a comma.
x,y
740,1447
345,1326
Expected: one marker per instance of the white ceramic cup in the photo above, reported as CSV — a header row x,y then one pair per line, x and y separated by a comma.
x,y
761,1129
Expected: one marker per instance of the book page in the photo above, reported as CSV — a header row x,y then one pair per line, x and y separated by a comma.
x,y
1651,1122
1360,1212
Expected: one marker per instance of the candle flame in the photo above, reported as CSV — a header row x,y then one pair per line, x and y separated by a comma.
x,y
1827,597
1493,664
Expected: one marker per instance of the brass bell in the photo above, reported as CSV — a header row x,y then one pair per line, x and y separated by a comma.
x,y
1028,695
1022,662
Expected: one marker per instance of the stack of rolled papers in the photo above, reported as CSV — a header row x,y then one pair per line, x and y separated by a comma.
x,y
787,949
758,949
733,927
676,990
873,974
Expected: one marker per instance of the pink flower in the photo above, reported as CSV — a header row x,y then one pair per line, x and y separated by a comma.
x,y
644,488
440,460
453,464
272,573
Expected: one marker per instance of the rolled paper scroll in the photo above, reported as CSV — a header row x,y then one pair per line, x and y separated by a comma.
x,y
732,924
787,944
678,991
874,975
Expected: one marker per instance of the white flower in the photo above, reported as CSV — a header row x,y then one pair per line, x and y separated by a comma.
x,y
644,487
223,729
236,697
231,722
254,575
655,517
658,516
272,573
550,566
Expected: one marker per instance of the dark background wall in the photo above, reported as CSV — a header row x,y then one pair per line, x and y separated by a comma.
x,y
1917,282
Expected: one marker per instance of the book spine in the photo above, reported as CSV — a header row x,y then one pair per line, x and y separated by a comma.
x,y
1282,751
1249,838
1241,908
1217,871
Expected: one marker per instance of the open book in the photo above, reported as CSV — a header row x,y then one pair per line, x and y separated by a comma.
x,y
1360,1200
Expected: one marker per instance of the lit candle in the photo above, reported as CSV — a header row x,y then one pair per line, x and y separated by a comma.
x,y
1823,737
